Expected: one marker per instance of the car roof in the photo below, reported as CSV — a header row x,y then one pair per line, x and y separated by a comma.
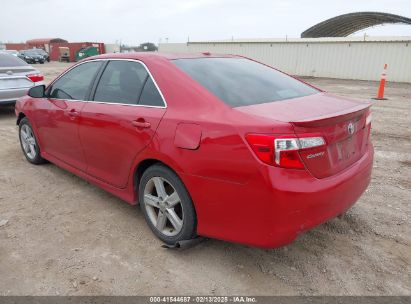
x,y
153,55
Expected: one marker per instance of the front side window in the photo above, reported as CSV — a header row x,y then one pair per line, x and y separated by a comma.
x,y
76,83
242,82
122,82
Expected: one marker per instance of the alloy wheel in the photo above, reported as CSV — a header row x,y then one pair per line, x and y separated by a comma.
x,y
28,141
163,206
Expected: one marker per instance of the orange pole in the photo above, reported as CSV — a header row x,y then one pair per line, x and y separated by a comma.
x,y
380,94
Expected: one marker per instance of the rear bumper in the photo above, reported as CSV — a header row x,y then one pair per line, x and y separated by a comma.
x,y
32,61
11,95
7,102
273,208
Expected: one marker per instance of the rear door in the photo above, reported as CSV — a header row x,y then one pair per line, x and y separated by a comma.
x,y
120,121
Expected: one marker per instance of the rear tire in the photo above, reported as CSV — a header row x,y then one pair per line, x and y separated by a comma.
x,y
167,205
29,143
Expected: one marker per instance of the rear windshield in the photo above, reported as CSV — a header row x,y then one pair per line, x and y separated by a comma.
x,y
7,60
242,82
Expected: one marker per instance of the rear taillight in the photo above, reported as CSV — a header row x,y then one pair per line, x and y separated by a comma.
x,y
35,77
282,151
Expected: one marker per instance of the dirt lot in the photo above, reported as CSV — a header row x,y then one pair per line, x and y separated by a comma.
x,y
61,235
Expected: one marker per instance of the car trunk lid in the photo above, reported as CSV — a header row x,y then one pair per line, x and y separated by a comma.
x,y
15,77
340,121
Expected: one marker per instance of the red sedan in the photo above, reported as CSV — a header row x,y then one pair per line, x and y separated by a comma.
x,y
216,146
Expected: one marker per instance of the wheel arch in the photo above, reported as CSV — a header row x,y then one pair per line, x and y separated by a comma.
x,y
143,165
20,117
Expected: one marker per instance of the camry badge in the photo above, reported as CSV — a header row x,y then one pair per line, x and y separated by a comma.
x,y
350,128
315,155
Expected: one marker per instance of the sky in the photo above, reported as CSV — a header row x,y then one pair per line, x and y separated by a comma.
x,y
136,21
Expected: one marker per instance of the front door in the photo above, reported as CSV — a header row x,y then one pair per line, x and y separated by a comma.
x,y
58,116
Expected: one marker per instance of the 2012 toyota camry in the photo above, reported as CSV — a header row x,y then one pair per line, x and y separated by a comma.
x,y
216,146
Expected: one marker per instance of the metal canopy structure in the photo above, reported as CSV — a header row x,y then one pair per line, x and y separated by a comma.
x,y
46,40
344,25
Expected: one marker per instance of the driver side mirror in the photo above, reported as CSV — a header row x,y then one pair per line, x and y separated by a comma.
x,y
37,91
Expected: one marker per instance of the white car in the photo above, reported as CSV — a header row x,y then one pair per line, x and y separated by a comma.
x,y
11,52
16,78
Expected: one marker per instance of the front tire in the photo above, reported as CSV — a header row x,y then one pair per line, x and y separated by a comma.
x,y
167,205
29,143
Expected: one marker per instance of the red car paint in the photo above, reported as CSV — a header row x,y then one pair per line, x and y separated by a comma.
x,y
236,196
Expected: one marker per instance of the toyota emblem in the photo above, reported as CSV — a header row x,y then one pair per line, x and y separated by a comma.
x,y
350,128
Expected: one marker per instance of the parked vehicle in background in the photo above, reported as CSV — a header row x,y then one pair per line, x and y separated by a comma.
x,y
64,54
31,56
11,52
86,52
217,146
16,77
43,53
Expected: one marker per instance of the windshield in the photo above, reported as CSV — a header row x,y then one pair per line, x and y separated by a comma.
x,y
242,82
33,52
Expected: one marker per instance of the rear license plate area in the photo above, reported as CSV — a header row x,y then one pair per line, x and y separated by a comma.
x,y
346,149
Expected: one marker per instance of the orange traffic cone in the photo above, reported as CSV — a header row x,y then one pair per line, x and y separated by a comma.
x,y
380,94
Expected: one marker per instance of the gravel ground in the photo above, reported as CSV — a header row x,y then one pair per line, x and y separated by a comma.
x,y
60,235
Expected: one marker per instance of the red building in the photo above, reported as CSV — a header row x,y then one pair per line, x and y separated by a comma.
x,y
16,46
45,44
51,45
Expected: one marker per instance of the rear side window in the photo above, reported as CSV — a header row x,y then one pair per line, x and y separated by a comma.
x,y
150,95
76,83
242,82
8,60
121,82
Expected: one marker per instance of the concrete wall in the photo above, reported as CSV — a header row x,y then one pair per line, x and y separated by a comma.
x,y
112,48
339,58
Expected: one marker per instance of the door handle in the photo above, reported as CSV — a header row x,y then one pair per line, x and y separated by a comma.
x,y
73,113
141,123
